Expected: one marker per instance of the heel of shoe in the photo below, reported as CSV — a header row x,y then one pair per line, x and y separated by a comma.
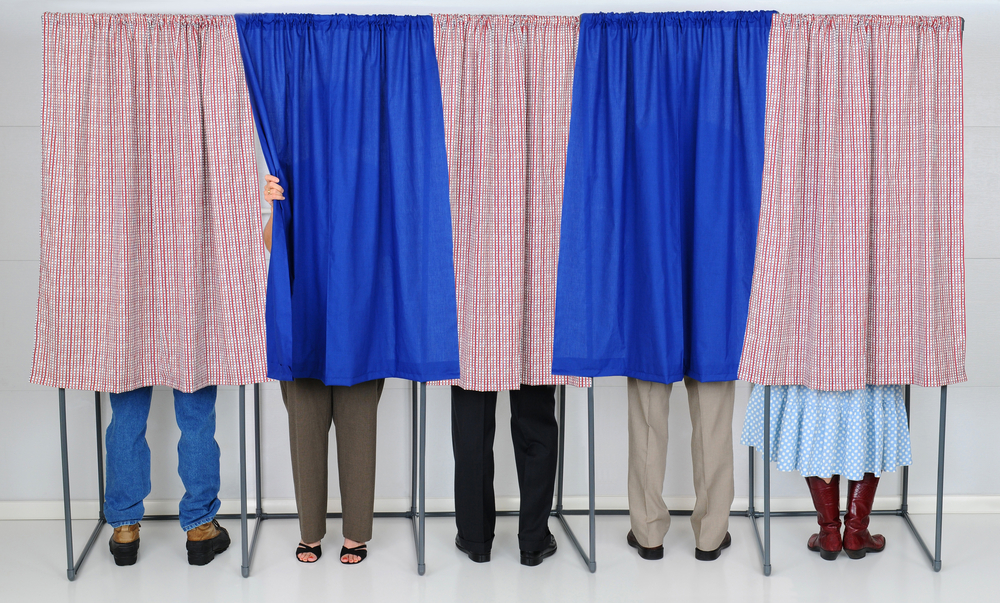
x,y
831,555
204,551
125,554
858,554
200,553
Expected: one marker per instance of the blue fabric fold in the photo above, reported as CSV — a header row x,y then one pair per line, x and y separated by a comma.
x,y
361,283
662,196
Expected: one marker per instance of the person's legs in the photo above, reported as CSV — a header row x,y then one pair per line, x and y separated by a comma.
x,y
473,426
127,471
127,457
711,406
197,456
355,414
310,414
535,434
826,498
860,498
648,410
198,467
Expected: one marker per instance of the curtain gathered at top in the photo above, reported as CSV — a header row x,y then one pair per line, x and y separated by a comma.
x,y
349,114
507,84
860,275
152,262
659,221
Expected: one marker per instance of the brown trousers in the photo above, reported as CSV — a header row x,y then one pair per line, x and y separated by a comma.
x,y
711,406
312,408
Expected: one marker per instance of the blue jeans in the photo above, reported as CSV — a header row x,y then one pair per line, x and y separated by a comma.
x,y
127,459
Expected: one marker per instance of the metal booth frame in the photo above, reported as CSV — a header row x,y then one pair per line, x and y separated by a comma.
x,y
764,541
417,513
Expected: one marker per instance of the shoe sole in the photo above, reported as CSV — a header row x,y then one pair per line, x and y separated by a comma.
x,y
476,557
714,554
125,553
860,553
203,552
830,555
649,553
533,560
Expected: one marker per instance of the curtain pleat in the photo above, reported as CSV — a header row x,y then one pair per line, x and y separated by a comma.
x,y
507,85
152,263
860,276
662,194
349,114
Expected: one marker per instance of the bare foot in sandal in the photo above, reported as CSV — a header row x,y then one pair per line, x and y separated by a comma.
x,y
353,552
309,553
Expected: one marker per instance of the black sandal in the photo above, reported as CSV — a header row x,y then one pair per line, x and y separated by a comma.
x,y
360,551
305,548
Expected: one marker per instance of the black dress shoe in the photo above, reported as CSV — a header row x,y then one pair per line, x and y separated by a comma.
x,y
652,553
712,555
477,557
533,558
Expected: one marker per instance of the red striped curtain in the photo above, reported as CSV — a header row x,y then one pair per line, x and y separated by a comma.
x,y
507,86
859,276
152,262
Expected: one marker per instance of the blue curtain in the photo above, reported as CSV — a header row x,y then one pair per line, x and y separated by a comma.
x,y
361,283
662,196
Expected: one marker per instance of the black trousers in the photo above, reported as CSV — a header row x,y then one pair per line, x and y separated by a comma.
x,y
535,434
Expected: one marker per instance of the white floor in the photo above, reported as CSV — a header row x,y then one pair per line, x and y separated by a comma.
x,y
32,567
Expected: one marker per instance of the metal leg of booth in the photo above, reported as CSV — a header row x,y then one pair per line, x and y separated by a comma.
x,y
421,512
559,512
764,544
903,511
73,566
249,544
415,514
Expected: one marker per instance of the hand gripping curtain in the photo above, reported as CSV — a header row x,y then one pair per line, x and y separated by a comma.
x,y
662,195
152,263
361,282
507,84
860,262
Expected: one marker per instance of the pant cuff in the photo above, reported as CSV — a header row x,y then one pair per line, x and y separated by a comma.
x,y
706,544
480,548
533,544
195,524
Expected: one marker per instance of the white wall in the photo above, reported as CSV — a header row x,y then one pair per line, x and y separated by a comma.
x,y
30,484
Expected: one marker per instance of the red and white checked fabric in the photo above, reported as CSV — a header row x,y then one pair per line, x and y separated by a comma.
x,y
507,84
152,261
859,277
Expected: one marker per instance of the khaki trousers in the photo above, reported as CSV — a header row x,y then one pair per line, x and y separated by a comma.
x,y
711,406
312,408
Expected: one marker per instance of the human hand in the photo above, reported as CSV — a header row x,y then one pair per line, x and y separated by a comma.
x,y
272,190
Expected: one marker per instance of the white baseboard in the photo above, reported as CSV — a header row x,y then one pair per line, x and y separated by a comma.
x,y
87,509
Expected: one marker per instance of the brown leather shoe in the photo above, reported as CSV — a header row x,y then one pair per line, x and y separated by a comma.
x,y
124,544
205,542
857,539
826,499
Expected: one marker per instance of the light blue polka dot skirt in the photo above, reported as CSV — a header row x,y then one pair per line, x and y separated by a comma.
x,y
821,433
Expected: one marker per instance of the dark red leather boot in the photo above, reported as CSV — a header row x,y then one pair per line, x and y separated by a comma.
x,y
860,497
826,499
